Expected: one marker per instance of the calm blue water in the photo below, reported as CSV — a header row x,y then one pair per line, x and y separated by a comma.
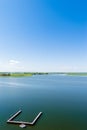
x,y
62,99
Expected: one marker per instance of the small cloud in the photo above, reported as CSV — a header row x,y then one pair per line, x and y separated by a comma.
x,y
13,62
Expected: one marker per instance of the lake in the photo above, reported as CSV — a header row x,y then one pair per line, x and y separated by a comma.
x,y
62,99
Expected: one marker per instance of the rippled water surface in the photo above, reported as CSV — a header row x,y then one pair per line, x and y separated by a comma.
x,y
62,99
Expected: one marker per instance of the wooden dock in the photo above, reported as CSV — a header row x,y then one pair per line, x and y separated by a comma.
x,y
15,115
10,120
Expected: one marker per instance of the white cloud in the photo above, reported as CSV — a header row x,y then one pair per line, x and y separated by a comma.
x,y
13,62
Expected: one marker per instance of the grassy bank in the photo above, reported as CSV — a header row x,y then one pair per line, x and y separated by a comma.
x,y
27,74
77,74
14,74
24,74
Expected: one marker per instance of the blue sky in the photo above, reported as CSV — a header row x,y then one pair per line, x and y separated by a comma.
x,y
43,35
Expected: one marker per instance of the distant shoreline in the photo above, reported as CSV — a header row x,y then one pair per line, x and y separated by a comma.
x,y
76,74
28,74
20,74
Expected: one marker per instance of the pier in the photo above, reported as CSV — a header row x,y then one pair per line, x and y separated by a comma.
x,y
15,115
22,124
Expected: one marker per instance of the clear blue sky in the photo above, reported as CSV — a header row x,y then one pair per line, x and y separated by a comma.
x,y
43,35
